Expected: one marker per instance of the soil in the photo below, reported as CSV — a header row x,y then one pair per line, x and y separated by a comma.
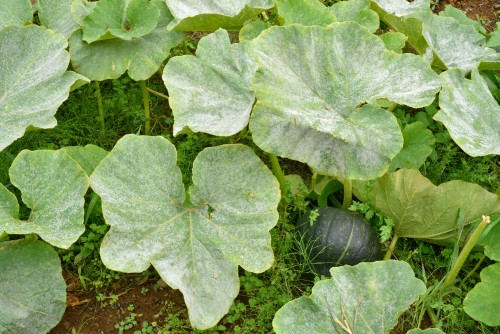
x,y
485,11
153,302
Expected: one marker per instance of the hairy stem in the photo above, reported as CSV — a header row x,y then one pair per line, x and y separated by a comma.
x,y
278,173
100,106
391,248
455,269
152,91
147,112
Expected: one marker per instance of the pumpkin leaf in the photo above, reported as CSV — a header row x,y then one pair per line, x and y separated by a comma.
x,y
199,86
422,210
418,142
196,244
401,8
358,11
211,15
494,40
56,15
15,12
483,301
252,30
491,243
120,19
87,157
457,14
32,288
366,298
305,12
53,186
394,41
311,85
470,113
34,79
458,46
109,59
425,331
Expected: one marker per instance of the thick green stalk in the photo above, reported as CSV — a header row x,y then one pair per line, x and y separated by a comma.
x,y
392,107
147,112
278,173
100,106
347,194
452,274
313,180
498,190
391,248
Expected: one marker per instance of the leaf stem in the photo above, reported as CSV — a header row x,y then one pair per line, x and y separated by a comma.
x,y
455,269
498,190
100,106
391,248
3,235
476,267
392,107
147,112
313,180
278,173
152,91
347,194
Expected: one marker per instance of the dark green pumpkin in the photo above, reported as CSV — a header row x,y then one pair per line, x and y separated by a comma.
x,y
337,237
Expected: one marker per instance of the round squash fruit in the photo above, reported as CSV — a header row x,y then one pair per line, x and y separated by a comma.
x,y
336,237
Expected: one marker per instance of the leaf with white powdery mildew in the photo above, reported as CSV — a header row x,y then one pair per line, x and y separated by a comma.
x,y
214,14
197,244
34,79
311,85
32,288
366,298
470,113
111,58
56,15
15,12
358,11
212,91
304,12
53,186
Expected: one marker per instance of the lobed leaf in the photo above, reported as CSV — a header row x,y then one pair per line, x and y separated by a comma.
x,y
211,92
400,8
32,288
470,113
305,12
394,41
87,157
16,12
196,244
53,187
124,19
483,301
366,298
491,243
214,14
34,79
56,15
422,210
358,11
311,87
109,59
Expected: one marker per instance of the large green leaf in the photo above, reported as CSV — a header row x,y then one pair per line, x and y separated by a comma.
x,y
483,301
311,85
458,46
470,113
394,41
491,243
366,298
125,19
418,142
109,59
32,288
358,11
400,8
56,15
457,14
212,91
214,14
34,79
305,12
425,331
53,187
15,12
425,211
196,244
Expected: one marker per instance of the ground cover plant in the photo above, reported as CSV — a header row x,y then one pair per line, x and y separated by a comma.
x,y
194,136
